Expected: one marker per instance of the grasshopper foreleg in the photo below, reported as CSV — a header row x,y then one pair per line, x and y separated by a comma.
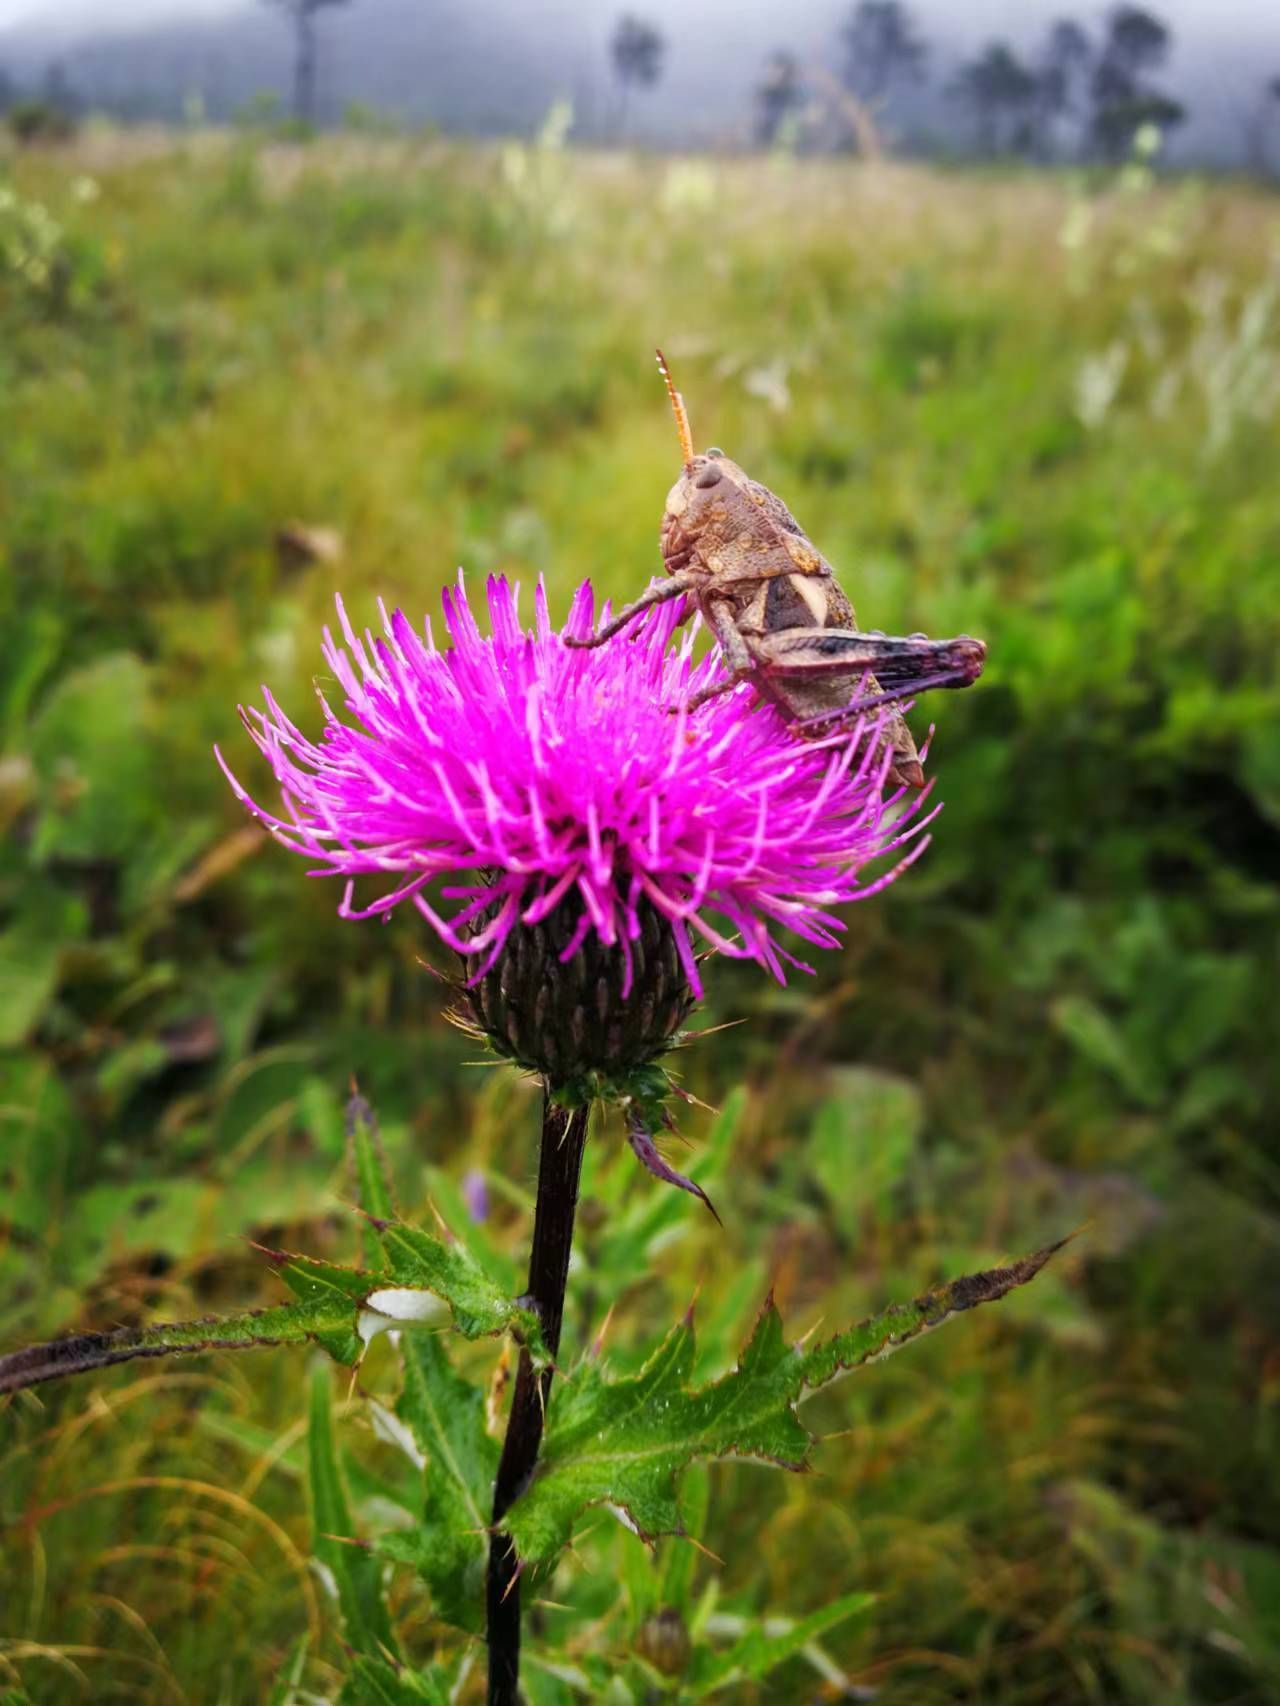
x,y
734,652
660,593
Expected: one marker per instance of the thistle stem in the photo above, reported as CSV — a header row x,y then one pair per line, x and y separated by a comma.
x,y
564,1135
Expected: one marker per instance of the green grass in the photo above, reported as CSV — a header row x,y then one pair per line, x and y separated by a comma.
x,y
1007,405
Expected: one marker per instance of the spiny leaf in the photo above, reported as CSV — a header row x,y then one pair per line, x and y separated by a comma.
x,y
623,1443
416,1263
869,1341
339,1308
287,1324
479,1305
355,1570
308,1277
316,1281
446,1415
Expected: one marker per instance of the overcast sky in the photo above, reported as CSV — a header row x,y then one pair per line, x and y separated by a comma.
x,y
1217,20
80,13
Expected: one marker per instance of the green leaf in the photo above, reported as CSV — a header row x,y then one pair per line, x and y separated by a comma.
x,y
373,1186
765,1646
332,1319
340,1308
31,952
95,758
316,1281
374,1682
446,1415
1100,1040
261,1097
675,1586
39,1133
869,1341
290,1460
866,1131
287,1323
307,1277
284,1693
34,640
479,1305
447,1198
355,1570
369,1167
624,1442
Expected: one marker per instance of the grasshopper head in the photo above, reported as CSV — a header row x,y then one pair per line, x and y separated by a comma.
x,y
697,514
719,516
715,511
705,497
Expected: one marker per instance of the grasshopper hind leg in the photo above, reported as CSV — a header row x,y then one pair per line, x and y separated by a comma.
x,y
799,660
905,769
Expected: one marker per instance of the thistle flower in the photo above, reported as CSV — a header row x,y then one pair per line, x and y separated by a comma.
x,y
568,829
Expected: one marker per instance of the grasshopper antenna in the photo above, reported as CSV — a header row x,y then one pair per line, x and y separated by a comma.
x,y
678,409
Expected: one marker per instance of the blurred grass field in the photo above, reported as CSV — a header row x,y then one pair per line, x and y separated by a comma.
x,y
1028,407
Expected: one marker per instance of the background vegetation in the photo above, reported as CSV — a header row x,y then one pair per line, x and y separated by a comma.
x,y
238,376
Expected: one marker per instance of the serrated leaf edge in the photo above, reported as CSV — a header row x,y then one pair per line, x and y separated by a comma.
x,y
926,1312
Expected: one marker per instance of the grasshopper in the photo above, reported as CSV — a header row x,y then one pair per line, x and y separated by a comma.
x,y
778,613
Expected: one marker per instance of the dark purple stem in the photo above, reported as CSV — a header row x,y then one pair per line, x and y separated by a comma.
x,y
20,1369
564,1136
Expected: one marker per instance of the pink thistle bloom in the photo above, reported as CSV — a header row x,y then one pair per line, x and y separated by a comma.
x,y
508,775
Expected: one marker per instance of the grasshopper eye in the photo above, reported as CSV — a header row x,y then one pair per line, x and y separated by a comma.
x,y
707,477
715,451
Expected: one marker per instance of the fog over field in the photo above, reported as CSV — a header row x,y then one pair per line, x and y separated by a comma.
x,y
494,66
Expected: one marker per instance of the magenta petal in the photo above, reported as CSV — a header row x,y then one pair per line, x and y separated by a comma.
x,y
559,777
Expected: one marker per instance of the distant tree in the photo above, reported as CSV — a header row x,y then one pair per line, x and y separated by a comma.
x,y
882,46
1261,127
637,50
1136,43
49,116
780,95
1061,74
59,93
302,15
8,92
1000,92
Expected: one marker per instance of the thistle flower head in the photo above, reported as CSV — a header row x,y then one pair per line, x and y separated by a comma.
x,y
569,828
507,781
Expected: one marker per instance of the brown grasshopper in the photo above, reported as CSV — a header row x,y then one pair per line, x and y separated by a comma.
x,y
777,611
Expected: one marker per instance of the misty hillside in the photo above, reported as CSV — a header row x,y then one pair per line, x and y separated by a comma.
x,y
445,63
491,67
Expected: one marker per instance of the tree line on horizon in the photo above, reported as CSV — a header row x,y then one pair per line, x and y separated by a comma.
x,y
1080,94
